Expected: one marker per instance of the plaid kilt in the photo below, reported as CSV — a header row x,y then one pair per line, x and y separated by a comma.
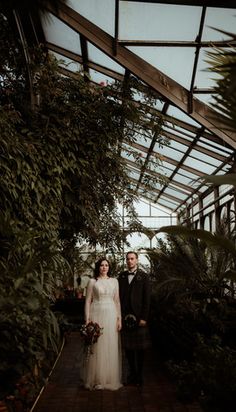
x,y
136,339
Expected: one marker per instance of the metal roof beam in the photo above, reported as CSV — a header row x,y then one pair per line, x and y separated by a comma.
x,y
154,190
202,183
134,165
209,3
177,43
75,57
200,149
169,160
180,164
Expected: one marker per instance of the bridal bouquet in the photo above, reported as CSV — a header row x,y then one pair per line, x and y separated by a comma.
x,y
90,334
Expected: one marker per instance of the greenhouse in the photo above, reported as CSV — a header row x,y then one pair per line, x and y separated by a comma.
x,y
118,137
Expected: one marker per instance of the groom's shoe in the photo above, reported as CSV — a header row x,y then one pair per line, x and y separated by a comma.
x,y
139,380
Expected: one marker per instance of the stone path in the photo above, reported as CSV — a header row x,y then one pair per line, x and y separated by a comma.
x,y
64,392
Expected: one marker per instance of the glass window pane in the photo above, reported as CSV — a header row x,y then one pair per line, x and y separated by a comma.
x,y
67,63
158,21
167,203
169,152
100,78
173,61
205,158
101,13
218,18
175,193
203,141
178,114
60,34
203,167
97,56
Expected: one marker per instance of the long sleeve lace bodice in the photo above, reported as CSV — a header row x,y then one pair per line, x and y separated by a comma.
x,y
101,290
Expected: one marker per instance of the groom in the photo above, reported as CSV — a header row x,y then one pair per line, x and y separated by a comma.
x,y
135,292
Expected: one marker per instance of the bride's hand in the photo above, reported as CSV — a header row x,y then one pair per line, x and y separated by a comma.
x,y
119,326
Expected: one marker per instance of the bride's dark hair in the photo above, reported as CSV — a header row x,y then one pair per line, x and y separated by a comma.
x,y
97,267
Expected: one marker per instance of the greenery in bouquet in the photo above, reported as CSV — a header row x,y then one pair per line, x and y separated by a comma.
x,y
90,334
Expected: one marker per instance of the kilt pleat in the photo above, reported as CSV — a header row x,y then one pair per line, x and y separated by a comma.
x,y
136,339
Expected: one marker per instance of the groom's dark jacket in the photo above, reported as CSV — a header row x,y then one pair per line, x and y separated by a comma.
x,y
135,297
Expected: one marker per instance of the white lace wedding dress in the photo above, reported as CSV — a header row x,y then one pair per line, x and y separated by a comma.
x,y
102,305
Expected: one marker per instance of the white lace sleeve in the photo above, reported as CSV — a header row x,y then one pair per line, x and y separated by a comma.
x,y
117,299
88,300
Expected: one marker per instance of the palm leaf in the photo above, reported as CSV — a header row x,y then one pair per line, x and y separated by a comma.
x,y
207,237
227,179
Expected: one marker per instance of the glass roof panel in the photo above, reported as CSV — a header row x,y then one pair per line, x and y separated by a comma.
x,y
172,61
178,146
67,63
175,193
133,155
167,203
203,141
179,131
147,193
226,169
60,34
157,186
206,98
169,152
96,56
178,114
186,191
172,203
168,167
204,77
142,140
205,158
190,175
181,179
133,174
158,105
198,165
142,21
202,189
100,12
100,78
223,19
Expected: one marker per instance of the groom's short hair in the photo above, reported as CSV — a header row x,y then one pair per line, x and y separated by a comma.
x,y
131,251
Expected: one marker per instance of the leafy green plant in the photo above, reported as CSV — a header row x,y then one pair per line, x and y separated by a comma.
x,y
29,331
61,176
193,312
209,376
223,62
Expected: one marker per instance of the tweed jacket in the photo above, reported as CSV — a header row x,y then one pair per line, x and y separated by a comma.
x,y
138,293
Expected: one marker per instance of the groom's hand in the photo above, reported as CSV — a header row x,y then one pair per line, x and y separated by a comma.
x,y
142,322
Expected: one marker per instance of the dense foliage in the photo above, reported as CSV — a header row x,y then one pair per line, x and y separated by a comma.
x,y
61,176
193,313
223,62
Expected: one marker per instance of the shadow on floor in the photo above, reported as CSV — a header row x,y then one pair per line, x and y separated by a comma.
x,y
64,391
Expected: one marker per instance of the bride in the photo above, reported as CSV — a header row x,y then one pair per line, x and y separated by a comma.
x,y
102,305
